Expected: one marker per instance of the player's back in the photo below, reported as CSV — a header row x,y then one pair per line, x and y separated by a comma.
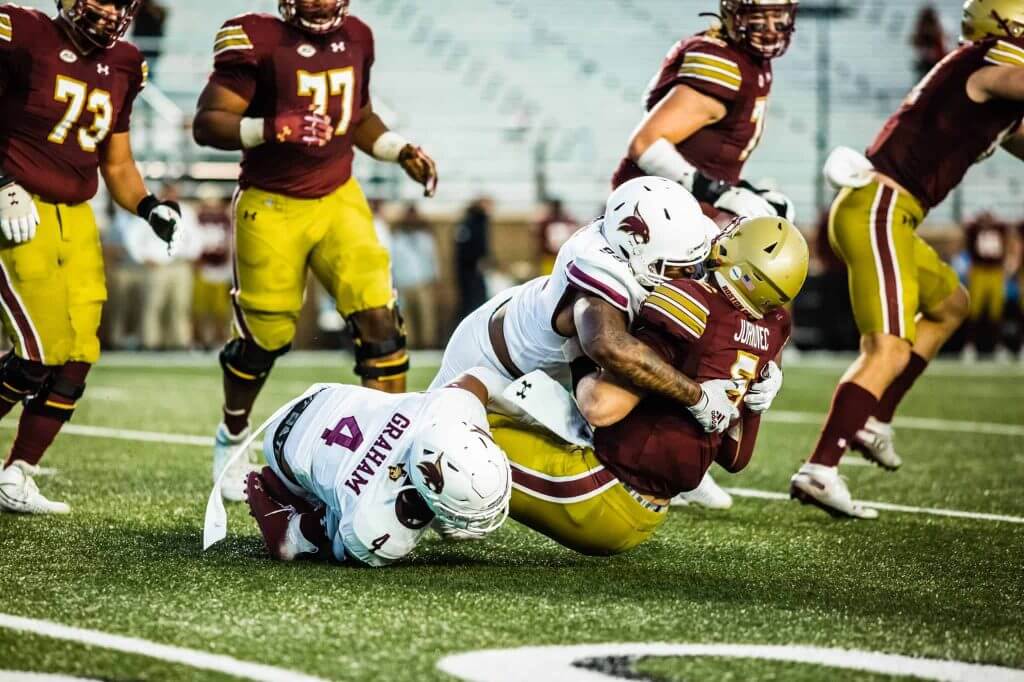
x,y
279,67
659,448
584,263
939,132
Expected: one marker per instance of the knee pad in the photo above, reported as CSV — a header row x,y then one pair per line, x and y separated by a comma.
x,y
60,396
245,361
381,360
21,379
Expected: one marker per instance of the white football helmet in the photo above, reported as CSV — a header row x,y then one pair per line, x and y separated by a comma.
x,y
654,223
462,475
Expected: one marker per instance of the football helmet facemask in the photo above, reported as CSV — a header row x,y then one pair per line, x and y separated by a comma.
x,y
760,264
992,19
657,227
314,16
462,475
101,22
762,27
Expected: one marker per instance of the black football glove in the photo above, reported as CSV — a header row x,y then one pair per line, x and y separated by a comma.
x,y
163,217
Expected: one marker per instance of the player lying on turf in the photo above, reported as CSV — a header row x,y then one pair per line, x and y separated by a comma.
x,y
67,89
728,333
652,231
359,474
906,301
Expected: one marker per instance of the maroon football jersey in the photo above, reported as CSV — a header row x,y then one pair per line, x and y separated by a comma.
x,y
660,449
59,107
938,133
279,67
986,241
731,75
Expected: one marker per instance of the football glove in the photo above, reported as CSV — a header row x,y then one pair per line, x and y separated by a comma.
x,y
745,203
715,411
18,213
420,167
783,205
163,217
299,126
761,394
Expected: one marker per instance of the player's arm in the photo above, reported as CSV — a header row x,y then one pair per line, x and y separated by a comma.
x,y
605,399
996,82
737,447
485,384
1015,143
127,188
372,136
218,120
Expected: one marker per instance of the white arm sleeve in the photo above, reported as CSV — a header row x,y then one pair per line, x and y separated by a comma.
x,y
663,159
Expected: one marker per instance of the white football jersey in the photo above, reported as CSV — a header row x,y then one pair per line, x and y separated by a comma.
x,y
350,448
585,262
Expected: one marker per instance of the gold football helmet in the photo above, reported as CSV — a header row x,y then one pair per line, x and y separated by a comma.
x,y
763,27
992,19
760,264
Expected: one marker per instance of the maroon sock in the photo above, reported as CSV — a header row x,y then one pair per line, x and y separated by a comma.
x,y
851,407
893,395
35,434
239,396
44,415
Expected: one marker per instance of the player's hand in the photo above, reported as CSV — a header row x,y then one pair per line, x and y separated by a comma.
x,y
163,217
783,205
299,126
761,394
715,411
18,213
745,203
420,167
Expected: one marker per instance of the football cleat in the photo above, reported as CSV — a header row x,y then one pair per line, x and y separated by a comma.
x,y
708,495
875,443
233,489
823,487
18,492
280,524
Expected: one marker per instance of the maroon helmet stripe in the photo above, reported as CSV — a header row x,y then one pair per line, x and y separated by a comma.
x,y
565,489
597,286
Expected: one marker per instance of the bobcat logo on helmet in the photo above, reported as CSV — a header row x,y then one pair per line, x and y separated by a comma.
x,y
636,226
432,475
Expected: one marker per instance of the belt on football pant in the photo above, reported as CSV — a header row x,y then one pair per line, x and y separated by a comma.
x,y
647,504
496,333
284,429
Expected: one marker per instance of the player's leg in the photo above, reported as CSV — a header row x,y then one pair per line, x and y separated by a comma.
x,y
355,268
272,244
470,345
56,282
872,231
566,494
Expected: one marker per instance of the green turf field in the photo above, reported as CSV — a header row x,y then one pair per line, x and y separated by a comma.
x,y
128,560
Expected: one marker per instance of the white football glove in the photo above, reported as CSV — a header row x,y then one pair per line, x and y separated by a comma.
x,y
761,394
745,203
18,213
783,205
715,411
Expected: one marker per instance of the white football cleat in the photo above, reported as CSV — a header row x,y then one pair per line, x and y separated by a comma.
x,y
876,442
18,492
823,487
708,495
233,489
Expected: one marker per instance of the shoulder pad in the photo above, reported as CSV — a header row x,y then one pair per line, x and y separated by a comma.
x,y
21,19
678,307
604,276
1008,52
240,34
711,61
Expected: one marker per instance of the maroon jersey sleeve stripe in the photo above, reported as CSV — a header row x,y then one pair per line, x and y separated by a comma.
x,y
26,332
594,285
562,490
885,261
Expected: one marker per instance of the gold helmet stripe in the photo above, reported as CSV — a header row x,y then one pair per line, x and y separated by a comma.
x,y
1004,53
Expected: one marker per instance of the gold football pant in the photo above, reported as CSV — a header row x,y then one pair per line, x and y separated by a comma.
x,y
277,237
565,493
987,286
893,273
53,287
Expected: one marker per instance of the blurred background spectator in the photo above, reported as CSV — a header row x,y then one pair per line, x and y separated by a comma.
x,y
554,228
928,40
987,245
211,293
414,261
472,239
148,32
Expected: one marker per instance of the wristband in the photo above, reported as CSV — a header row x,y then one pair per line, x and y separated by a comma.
x,y
146,206
388,146
663,159
250,132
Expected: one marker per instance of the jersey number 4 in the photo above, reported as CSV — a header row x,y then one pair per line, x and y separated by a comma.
x,y
78,97
323,84
345,434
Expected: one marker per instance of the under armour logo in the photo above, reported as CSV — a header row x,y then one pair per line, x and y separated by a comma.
x,y
338,47
249,215
103,69
521,393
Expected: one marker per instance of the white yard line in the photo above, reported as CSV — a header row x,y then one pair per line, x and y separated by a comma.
x,y
916,423
172,654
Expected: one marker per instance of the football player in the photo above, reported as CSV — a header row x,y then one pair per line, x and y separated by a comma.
x,y
729,331
293,93
707,106
652,231
355,474
68,84
907,302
